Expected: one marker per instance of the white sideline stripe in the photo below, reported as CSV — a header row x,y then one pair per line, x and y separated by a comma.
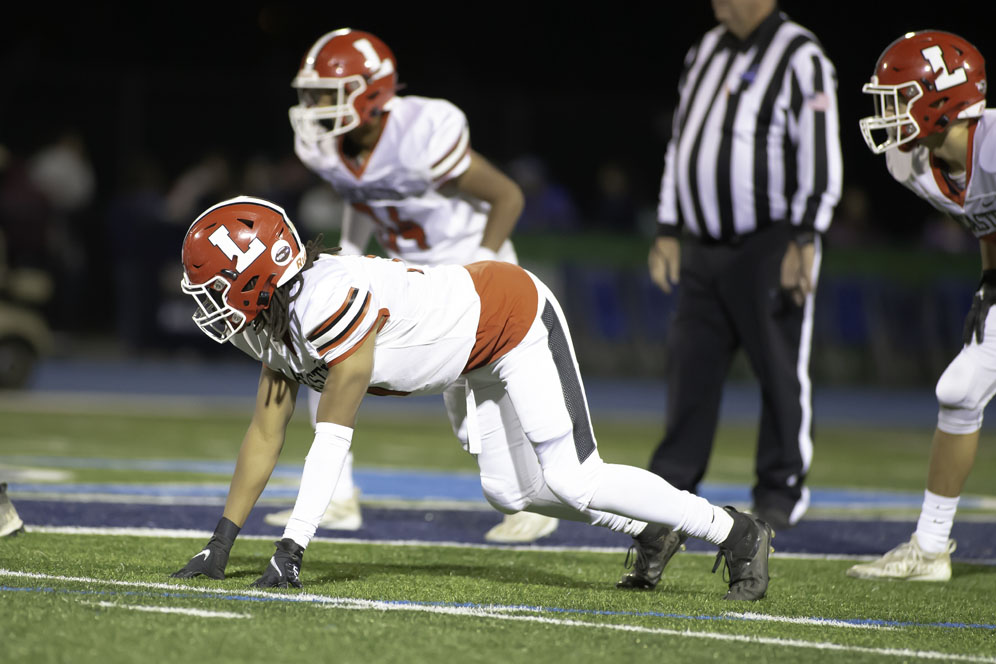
x,y
499,613
823,622
171,609
205,534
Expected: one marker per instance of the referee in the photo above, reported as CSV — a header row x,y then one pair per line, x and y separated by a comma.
x,y
751,176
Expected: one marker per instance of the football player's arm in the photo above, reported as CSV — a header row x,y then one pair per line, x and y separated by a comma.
x,y
275,399
484,181
345,387
258,455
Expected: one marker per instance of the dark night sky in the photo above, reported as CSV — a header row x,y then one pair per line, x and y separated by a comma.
x,y
576,87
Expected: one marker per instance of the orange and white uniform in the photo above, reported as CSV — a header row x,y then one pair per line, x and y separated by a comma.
x,y
971,203
400,192
490,323
969,382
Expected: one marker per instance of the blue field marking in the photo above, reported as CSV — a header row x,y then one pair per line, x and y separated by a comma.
x,y
387,484
513,608
812,536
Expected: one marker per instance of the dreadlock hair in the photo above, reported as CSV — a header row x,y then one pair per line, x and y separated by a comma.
x,y
276,317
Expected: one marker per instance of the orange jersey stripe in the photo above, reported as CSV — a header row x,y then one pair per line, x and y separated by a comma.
x,y
342,336
334,318
382,317
509,302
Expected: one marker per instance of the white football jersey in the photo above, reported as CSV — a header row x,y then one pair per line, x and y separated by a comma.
x,y
425,319
974,207
424,144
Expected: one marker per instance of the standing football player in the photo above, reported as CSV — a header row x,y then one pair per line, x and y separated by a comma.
x,y
940,141
405,168
350,325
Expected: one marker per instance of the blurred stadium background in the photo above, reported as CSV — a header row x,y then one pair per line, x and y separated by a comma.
x,y
118,126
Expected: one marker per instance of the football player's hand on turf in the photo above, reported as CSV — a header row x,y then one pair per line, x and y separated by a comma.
x,y
284,568
211,561
985,297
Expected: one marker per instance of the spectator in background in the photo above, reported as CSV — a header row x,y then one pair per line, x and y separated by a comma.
x,y
853,225
547,206
25,215
615,209
138,212
209,178
63,173
757,107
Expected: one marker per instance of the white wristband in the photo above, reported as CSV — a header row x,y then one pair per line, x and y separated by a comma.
x,y
321,472
338,430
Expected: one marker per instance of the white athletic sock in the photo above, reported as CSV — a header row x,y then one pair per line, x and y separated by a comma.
x,y
642,495
344,487
933,529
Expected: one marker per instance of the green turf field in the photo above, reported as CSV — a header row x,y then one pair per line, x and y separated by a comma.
x,y
107,598
97,599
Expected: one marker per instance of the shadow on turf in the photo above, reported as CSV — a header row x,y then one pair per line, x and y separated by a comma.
x,y
326,572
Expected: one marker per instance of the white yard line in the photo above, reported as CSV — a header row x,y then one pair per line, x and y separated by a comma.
x,y
514,613
198,613
205,534
825,622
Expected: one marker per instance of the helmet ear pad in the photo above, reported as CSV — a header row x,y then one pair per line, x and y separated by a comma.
x,y
265,294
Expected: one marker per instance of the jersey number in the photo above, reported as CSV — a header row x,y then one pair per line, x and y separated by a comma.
x,y
243,259
396,227
944,79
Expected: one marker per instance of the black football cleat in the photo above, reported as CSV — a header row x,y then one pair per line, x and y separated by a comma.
x,y
649,554
746,557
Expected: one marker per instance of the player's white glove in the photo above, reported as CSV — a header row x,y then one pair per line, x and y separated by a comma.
x,y
211,561
985,297
284,567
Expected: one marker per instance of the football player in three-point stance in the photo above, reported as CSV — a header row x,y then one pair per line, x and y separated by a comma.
x,y
939,141
349,325
405,168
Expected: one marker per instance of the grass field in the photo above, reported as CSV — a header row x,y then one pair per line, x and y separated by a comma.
x,y
105,596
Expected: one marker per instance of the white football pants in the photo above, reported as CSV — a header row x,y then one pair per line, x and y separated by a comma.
x,y
538,449
968,384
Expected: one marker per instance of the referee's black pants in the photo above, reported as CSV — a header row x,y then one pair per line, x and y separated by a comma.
x,y
730,297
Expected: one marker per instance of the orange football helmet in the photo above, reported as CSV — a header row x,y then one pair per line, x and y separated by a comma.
x,y
346,78
235,255
922,83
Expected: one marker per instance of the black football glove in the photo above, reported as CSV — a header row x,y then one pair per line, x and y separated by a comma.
x,y
284,568
213,559
985,297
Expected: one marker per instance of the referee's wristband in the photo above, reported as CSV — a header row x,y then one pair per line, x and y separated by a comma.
x,y
668,230
803,237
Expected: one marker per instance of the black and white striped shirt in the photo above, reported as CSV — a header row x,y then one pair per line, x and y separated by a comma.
x,y
755,138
